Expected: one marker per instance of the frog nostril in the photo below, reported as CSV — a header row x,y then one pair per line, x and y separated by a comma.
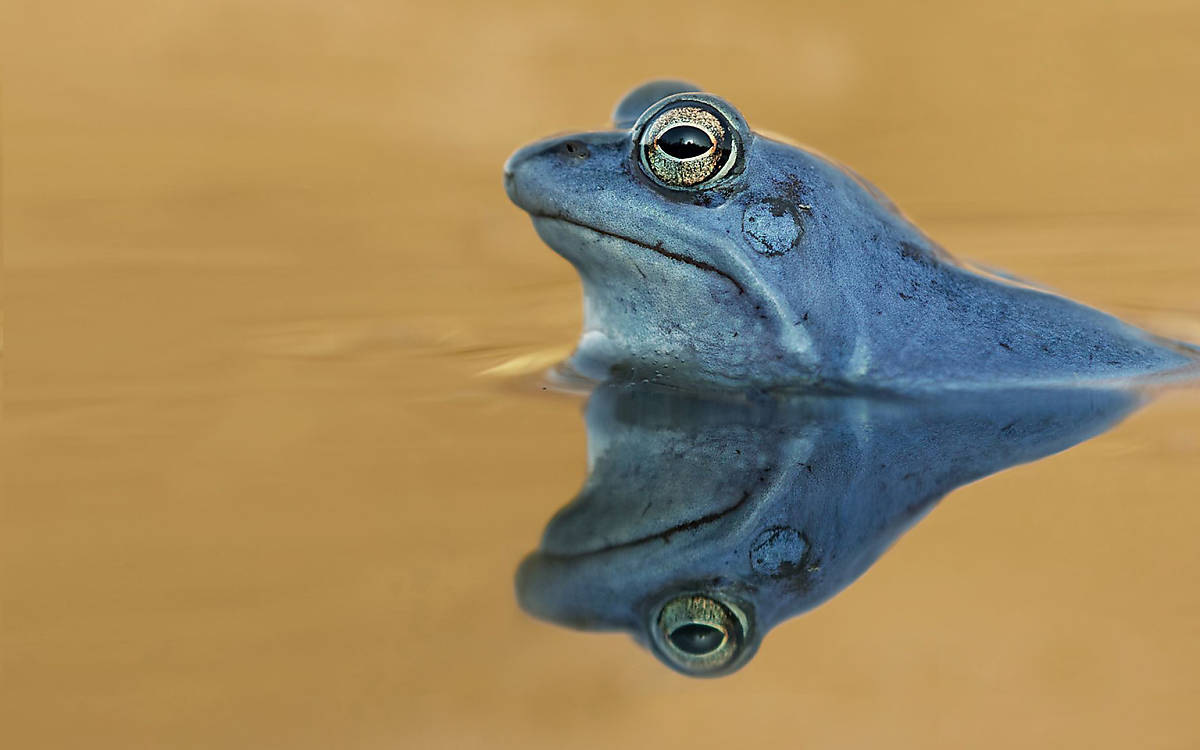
x,y
575,149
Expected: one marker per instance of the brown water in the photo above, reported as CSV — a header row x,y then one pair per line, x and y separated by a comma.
x,y
272,451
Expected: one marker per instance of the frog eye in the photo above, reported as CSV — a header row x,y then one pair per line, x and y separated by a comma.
x,y
699,634
687,145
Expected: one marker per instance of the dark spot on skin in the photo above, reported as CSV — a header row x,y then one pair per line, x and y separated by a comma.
x,y
910,251
794,192
904,296
1005,346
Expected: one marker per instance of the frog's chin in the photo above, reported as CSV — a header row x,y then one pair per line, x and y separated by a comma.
x,y
651,312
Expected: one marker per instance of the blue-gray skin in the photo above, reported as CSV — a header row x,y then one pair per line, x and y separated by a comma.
x,y
766,508
792,271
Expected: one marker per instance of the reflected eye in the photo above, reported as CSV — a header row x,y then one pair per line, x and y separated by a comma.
x,y
687,145
698,634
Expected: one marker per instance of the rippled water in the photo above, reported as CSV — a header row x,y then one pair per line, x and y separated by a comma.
x,y
276,433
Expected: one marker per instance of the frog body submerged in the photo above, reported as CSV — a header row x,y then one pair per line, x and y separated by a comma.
x,y
756,262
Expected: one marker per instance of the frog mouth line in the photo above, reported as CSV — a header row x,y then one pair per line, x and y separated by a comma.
x,y
655,248
664,535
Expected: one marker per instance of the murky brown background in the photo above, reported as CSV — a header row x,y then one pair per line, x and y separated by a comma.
x,y
259,495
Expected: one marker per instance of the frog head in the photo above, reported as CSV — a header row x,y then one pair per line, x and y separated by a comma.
x,y
704,248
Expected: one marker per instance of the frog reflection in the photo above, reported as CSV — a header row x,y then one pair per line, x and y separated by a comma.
x,y
705,522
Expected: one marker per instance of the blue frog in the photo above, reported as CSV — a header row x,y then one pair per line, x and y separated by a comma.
x,y
708,519
711,255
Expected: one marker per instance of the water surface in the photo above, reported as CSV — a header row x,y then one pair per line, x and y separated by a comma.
x,y
274,431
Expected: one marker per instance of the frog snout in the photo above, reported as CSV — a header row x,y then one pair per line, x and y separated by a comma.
x,y
511,186
543,157
513,167
508,184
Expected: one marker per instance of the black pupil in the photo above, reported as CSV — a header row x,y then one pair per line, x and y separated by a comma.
x,y
697,639
685,141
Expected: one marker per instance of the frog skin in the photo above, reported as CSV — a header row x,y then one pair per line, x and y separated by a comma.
x,y
760,263
733,515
